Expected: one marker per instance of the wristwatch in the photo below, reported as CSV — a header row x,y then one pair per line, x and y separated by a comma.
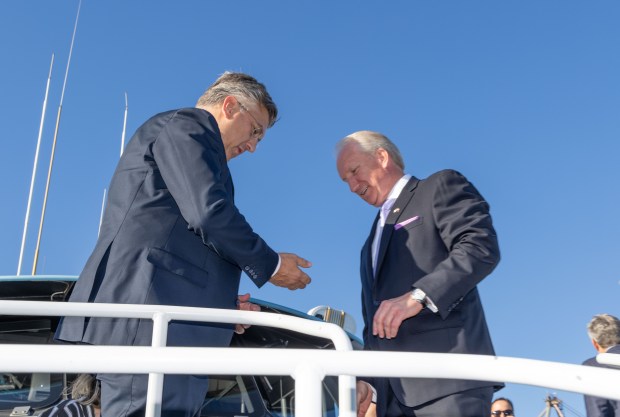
x,y
419,296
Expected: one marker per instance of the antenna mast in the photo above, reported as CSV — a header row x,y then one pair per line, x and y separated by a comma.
x,y
122,149
552,403
34,169
49,172
124,125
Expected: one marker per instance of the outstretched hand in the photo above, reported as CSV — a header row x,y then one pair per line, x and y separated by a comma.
x,y
290,275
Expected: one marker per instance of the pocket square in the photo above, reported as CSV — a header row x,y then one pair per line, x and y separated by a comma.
x,y
405,222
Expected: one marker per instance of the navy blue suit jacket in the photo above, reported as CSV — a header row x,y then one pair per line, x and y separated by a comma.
x,y
446,246
171,235
602,407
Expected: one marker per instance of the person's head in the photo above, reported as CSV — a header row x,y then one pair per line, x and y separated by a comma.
x,y
86,389
604,331
243,110
370,163
502,407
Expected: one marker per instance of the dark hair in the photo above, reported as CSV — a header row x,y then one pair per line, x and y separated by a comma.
x,y
504,399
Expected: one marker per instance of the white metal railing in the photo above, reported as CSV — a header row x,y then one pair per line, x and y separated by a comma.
x,y
162,315
608,359
308,367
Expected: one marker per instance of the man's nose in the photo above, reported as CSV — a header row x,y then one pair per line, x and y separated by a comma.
x,y
353,184
251,145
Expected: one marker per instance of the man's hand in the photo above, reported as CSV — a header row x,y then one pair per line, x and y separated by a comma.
x,y
392,313
290,275
244,304
364,397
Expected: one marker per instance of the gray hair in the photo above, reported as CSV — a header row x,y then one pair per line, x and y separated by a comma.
x,y
239,85
604,329
369,142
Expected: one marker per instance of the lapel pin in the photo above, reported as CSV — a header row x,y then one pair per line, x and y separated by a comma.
x,y
396,210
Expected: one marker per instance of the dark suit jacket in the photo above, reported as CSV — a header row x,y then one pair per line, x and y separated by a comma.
x,y
446,250
171,235
602,407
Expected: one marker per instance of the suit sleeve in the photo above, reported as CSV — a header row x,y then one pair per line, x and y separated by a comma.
x,y
598,407
192,162
464,223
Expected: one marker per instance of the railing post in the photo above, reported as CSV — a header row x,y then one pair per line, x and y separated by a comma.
x,y
308,390
347,398
156,380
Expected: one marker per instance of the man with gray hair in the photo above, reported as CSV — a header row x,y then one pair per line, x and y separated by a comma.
x,y
604,333
431,243
172,235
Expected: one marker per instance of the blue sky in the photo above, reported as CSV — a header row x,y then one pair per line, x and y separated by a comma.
x,y
523,97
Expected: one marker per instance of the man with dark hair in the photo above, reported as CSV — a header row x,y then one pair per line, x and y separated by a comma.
x,y
604,333
502,407
172,235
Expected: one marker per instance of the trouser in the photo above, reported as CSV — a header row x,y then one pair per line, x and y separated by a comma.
x,y
124,395
471,403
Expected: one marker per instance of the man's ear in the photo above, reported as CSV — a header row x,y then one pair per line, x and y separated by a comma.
x,y
230,106
597,346
383,157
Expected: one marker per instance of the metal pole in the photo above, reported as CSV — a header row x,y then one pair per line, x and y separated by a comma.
x,y
49,172
308,390
124,125
34,169
102,209
156,380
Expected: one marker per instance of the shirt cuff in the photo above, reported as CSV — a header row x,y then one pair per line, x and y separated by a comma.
x,y
275,271
429,303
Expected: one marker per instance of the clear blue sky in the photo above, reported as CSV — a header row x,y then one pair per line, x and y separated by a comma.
x,y
523,97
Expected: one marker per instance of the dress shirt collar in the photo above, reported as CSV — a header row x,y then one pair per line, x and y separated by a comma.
x,y
398,187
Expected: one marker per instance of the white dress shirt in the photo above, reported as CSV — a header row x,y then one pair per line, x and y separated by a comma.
x,y
385,210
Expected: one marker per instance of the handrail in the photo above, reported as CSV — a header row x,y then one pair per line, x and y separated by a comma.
x,y
308,367
608,359
162,315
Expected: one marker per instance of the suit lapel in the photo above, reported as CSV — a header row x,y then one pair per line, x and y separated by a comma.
x,y
397,209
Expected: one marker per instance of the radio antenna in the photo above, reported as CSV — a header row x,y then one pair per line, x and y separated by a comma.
x,y
124,125
49,172
34,169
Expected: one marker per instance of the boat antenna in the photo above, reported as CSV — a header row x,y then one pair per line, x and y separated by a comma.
x,y
122,148
552,403
102,208
49,172
124,125
34,169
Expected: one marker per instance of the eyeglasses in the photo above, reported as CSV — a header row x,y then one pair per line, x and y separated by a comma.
x,y
257,132
500,412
